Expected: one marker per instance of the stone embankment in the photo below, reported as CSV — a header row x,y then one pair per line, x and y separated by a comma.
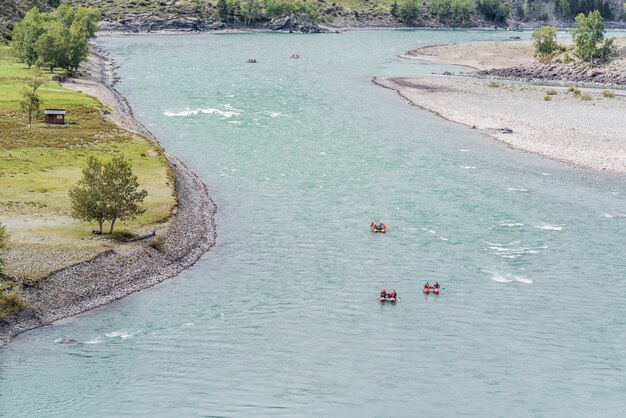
x,y
612,75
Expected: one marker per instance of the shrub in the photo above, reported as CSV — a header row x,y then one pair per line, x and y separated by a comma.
x,y
608,94
158,244
547,98
551,92
585,97
274,8
408,11
494,10
544,39
576,92
494,85
10,303
452,11
566,58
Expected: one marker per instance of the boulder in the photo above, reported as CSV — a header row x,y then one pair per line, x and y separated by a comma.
x,y
295,22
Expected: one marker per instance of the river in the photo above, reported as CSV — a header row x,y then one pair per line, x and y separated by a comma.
x,y
280,319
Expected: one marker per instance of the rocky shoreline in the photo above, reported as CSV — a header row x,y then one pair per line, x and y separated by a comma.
x,y
559,73
113,275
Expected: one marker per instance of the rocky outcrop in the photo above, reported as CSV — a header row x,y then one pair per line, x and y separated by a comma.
x,y
159,23
612,75
295,22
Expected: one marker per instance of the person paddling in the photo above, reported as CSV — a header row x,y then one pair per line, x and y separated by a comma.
x,y
383,294
436,286
394,295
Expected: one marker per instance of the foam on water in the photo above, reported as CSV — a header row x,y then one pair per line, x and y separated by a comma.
x,y
548,227
510,223
510,278
122,334
514,189
615,215
230,112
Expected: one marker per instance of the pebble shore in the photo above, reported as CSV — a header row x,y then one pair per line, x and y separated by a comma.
x,y
583,128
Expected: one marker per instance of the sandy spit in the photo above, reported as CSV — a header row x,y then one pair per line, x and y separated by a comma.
x,y
477,55
582,133
112,275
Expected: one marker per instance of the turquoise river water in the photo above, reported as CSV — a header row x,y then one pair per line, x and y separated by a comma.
x,y
280,318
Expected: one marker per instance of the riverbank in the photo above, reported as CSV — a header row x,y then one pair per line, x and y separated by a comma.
x,y
116,273
582,129
575,125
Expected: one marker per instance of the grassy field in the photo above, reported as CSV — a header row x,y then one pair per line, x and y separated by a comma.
x,y
39,165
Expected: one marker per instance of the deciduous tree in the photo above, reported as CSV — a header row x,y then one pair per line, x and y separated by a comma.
x,y
25,34
122,191
87,197
544,39
52,47
107,192
31,102
588,35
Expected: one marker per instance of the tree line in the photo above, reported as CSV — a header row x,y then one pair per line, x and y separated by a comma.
x,y
450,12
572,8
249,12
588,36
458,12
55,39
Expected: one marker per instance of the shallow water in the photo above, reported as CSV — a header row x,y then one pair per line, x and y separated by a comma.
x,y
280,318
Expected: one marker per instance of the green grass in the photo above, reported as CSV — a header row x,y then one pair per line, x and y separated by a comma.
x,y
39,165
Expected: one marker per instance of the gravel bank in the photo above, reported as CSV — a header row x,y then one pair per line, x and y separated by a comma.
x,y
113,275
584,133
513,60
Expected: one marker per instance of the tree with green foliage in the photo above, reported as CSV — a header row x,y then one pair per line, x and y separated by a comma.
x,y
452,11
409,11
122,191
25,34
107,192
251,11
494,10
4,237
87,19
55,39
31,102
544,39
393,9
77,48
87,196
562,8
276,8
588,35
52,47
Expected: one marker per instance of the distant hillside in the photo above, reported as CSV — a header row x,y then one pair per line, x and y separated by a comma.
x,y
148,15
203,15
12,11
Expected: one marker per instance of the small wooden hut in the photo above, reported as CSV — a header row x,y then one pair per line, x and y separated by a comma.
x,y
55,116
